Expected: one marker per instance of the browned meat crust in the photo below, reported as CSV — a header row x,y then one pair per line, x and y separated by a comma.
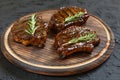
x,y
19,35
57,22
74,32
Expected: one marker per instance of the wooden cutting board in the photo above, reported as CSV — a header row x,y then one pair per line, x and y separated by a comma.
x,y
46,61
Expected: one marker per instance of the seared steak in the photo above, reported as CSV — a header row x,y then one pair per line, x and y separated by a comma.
x,y
75,39
61,19
20,35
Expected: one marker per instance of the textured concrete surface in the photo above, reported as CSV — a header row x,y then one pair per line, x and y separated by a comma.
x,y
108,10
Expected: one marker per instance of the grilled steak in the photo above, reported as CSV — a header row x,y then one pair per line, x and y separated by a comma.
x,y
75,39
19,33
68,16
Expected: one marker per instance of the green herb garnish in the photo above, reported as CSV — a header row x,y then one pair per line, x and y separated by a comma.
x,y
32,27
85,38
76,16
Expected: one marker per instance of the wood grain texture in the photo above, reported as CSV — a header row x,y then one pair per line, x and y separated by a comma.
x,y
45,60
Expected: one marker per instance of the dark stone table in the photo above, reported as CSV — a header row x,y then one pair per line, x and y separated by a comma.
x,y
108,10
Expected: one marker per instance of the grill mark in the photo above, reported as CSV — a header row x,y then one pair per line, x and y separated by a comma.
x,y
64,12
21,34
58,16
76,10
61,14
70,11
79,9
69,14
64,9
73,10
16,29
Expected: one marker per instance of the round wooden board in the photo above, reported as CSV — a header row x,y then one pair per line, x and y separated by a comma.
x,y
46,61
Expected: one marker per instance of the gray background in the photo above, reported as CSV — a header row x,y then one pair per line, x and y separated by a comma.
x,y
107,10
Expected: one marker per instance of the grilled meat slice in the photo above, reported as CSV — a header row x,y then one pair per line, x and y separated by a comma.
x,y
20,35
75,39
58,20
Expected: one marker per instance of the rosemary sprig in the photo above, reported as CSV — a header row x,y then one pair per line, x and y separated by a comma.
x,y
76,16
32,27
85,38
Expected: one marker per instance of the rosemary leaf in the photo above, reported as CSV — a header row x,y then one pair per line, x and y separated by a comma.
x,y
32,28
76,16
85,38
